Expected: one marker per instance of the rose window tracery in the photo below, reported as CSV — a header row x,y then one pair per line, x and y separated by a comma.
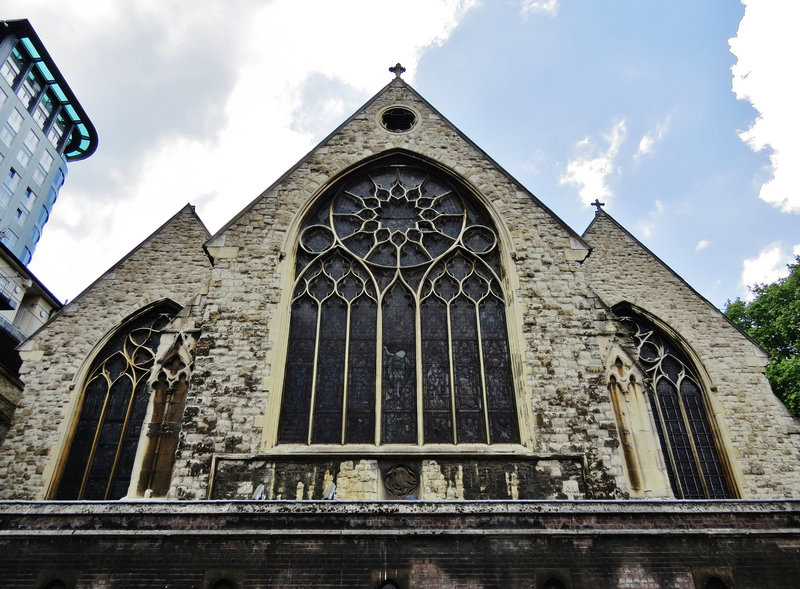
x,y
398,331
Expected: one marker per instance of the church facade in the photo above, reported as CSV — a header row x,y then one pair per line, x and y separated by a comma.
x,y
397,368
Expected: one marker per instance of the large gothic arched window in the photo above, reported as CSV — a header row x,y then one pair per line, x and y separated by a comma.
x,y
398,323
114,400
679,409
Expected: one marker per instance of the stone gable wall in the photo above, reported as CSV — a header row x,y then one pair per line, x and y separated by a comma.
x,y
169,264
564,399
754,424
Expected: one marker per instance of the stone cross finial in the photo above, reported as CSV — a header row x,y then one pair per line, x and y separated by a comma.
x,y
397,70
597,204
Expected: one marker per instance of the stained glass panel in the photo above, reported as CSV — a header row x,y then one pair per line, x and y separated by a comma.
x,y
694,465
114,402
361,379
471,424
293,427
503,427
330,370
399,368
407,237
438,416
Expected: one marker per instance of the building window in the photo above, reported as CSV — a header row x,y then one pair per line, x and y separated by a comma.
x,y
15,119
43,216
46,161
58,130
51,197
114,399
21,215
30,88
39,175
28,147
41,171
10,185
29,199
24,156
44,109
679,408
398,119
8,238
3,97
11,128
398,320
12,66
58,181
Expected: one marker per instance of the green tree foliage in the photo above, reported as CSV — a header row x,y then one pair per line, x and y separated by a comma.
x,y
772,318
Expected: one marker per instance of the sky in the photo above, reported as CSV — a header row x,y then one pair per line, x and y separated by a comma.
x,y
681,116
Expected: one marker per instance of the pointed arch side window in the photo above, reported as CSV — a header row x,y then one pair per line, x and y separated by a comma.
x,y
677,400
114,397
398,328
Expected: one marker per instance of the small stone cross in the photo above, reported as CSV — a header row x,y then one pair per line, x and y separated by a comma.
x,y
597,204
397,70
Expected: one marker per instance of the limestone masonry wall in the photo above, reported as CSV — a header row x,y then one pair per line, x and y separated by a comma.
x,y
555,317
169,264
561,330
757,431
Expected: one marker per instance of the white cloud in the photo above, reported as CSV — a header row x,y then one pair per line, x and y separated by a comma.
x,y
229,102
547,7
651,138
590,169
766,47
701,245
770,265
647,225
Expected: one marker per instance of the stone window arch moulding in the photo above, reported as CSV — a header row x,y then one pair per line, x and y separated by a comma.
x,y
678,391
399,330
101,455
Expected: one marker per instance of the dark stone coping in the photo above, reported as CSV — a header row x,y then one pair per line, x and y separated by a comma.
x,y
395,518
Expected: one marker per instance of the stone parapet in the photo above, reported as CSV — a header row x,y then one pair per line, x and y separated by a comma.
x,y
465,544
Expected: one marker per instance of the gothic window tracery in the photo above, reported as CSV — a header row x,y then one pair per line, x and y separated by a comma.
x,y
114,401
676,398
398,325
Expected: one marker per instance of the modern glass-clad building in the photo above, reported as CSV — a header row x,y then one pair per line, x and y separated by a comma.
x,y
42,127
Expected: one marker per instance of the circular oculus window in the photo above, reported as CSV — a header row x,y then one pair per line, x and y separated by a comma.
x,y
398,119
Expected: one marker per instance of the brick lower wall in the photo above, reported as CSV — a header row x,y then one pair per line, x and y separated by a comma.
x,y
418,544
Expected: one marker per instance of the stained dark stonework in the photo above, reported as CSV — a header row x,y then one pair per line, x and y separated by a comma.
x,y
358,545
282,479
494,479
478,479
